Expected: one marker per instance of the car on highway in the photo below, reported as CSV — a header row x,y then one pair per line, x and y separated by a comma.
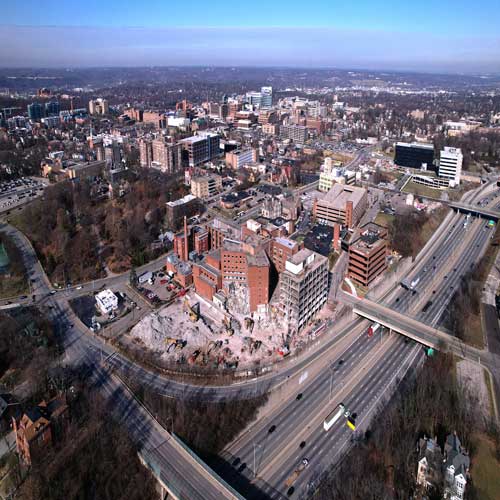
x,y
299,396
23,297
79,287
52,292
302,444
272,429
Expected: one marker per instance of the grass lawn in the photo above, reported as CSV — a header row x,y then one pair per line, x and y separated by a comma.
x,y
384,219
485,469
420,190
474,331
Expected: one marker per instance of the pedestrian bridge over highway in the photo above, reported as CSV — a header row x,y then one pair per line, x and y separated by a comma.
x,y
475,210
416,330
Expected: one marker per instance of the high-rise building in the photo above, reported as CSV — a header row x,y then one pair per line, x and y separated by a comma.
x,y
450,164
296,133
52,108
200,148
281,250
368,254
414,155
145,152
98,106
303,288
35,111
166,156
266,100
113,154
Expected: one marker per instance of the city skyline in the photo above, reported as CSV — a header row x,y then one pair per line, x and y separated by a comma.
x,y
448,38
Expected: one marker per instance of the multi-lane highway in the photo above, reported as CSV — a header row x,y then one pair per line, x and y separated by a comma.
x,y
363,378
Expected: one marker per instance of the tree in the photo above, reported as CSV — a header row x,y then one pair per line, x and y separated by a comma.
x,y
133,277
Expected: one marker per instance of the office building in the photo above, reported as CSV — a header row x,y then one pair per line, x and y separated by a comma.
x,y
414,155
303,288
35,111
266,99
342,204
368,254
240,158
52,108
200,148
334,173
98,106
206,186
187,206
296,133
450,164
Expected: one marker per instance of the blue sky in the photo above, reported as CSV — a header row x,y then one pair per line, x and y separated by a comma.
x,y
439,35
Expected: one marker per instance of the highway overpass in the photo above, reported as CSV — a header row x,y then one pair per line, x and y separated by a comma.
x,y
475,210
416,330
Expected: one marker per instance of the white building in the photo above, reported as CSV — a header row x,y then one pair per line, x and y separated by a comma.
x,y
333,173
107,301
450,164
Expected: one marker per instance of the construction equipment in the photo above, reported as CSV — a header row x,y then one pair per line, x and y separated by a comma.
x,y
192,359
227,324
192,310
175,343
214,345
249,324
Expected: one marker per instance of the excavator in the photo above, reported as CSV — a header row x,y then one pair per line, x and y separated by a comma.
x,y
227,324
192,310
175,343
249,324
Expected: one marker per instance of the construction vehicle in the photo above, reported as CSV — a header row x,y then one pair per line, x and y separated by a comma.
x,y
192,310
249,324
192,359
214,345
175,343
296,473
227,324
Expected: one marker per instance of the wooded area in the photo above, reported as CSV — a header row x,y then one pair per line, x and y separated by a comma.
x,y
94,461
77,237
408,233
204,426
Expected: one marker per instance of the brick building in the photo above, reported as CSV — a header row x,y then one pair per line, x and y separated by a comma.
x,y
281,250
39,427
367,254
341,204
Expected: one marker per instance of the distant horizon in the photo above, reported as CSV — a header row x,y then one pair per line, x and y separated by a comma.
x,y
448,37
480,74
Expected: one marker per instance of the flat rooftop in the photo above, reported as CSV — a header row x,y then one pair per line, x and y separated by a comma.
x,y
181,201
340,194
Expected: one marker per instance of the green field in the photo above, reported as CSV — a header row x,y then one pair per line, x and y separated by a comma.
x,y
384,219
420,190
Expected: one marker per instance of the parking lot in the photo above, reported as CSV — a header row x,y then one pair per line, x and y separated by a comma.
x,y
19,191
